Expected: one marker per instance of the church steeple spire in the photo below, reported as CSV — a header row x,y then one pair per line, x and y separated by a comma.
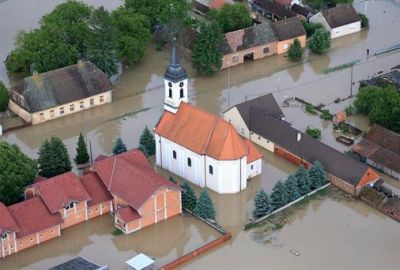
x,y
175,81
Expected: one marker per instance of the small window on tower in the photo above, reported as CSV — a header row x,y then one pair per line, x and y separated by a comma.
x,y
181,84
170,93
170,84
181,93
174,154
189,162
210,170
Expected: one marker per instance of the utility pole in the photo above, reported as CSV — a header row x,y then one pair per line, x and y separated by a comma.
x,y
351,80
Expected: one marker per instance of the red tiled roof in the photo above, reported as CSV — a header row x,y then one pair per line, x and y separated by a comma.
x,y
203,133
127,214
32,216
130,177
385,138
60,190
96,188
217,4
283,2
7,223
100,157
253,152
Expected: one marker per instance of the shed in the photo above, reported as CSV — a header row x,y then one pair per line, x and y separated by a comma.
x,y
140,262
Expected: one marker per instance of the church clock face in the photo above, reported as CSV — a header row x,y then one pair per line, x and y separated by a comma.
x,y
170,84
181,84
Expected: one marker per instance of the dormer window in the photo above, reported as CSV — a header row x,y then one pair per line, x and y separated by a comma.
x,y
4,236
70,206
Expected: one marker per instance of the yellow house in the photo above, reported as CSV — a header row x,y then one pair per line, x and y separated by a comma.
x,y
53,94
287,31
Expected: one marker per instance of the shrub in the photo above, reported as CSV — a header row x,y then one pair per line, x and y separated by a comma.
x,y
326,115
310,109
173,180
320,41
4,97
311,27
314,132
364,20
295,52
350,110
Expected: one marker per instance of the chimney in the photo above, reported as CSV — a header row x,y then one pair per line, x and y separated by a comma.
x,y
298,136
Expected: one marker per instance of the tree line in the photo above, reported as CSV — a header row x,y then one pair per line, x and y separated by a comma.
x,y
202,207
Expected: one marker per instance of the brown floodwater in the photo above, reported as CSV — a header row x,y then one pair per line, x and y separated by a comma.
x,y
138,99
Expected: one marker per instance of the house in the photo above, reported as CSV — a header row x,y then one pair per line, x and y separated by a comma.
x,y
252,43
60,92
63,194
339,21
26,224
391,78
199,146
272,10
381,149
303,13
287,31
141,197
265,127
204,6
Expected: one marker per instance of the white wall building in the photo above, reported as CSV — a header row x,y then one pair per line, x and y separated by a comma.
x,y
199,146
339,21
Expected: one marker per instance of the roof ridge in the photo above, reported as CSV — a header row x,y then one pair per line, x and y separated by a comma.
x,y
112,173
209,137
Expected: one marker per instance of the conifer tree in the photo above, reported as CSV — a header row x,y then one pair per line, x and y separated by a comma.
x,y
147,140
292,188
82,155
173,180
262,204
317,175
53,158
279,195
143,149
303,180
205,207
119,147
188,197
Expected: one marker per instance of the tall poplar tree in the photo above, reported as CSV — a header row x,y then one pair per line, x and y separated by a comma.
x,y
82,155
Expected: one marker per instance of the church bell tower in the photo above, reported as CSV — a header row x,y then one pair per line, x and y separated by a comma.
x,y
176,84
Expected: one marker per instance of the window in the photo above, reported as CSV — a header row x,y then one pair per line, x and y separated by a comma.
x,y
69,206
41,236
174,154
181,93
4,236
52,113
91,102
285,46
266,50
189,162
181,84
21,243
101,99
41,116
71,107
251,167
62,110
170,84
210,169
235,58
52,231
170,93
81,105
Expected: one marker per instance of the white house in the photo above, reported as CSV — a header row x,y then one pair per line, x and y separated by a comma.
x,y
339,21
199,146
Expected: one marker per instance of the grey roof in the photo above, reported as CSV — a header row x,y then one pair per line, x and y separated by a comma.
x,y
390,78
175,72
288,29
250,37
60,86
308,148
265,103
301,10
274,8
340,15
78,264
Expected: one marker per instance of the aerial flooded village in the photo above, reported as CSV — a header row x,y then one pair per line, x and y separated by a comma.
x,y
199,134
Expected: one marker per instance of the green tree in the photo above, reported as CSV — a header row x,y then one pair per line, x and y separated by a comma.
x,y
262,204
148,141
119,147
311,27
173,180
204,206
364,20
231,17
4,97
323,4
386,108
366,99
189,199
279,195
133,34
53,158
303,180
82,155
317,175
143,149
292,188
320,41
313,132
295,51
16,171
206,56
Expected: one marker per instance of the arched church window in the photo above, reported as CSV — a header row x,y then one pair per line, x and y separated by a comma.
x,y
210,169
174,154
189,162
181,93
170,93
170,84
181,84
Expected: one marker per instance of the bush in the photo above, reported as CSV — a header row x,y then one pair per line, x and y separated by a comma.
x,y
4,97
320,41
350,110
310,109
314,132
311,27
326,115
295,52
364,20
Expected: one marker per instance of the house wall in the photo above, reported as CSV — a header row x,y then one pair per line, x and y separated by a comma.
x,y
291,157
318,18
100,209
254,168
8,246
237,58
54,113
74,215
345,30
283,46
384,169
341,184
233,116
263,142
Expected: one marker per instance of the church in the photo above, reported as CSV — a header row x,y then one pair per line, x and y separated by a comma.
x,y
199,146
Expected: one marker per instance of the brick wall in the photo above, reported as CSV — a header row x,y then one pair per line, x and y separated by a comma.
x,y
341,184
283,46
74,215
99,209
290,157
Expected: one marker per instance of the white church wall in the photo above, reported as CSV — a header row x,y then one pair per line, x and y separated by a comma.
x,y
173,100
254,168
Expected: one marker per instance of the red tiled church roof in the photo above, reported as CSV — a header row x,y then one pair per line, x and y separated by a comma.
x,y
202,133
130,177
32,216
96,188
7,222
60,190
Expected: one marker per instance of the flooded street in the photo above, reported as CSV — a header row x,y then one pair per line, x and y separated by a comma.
x,y
329,234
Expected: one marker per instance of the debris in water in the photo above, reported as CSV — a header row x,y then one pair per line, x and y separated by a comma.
x,y
295,252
